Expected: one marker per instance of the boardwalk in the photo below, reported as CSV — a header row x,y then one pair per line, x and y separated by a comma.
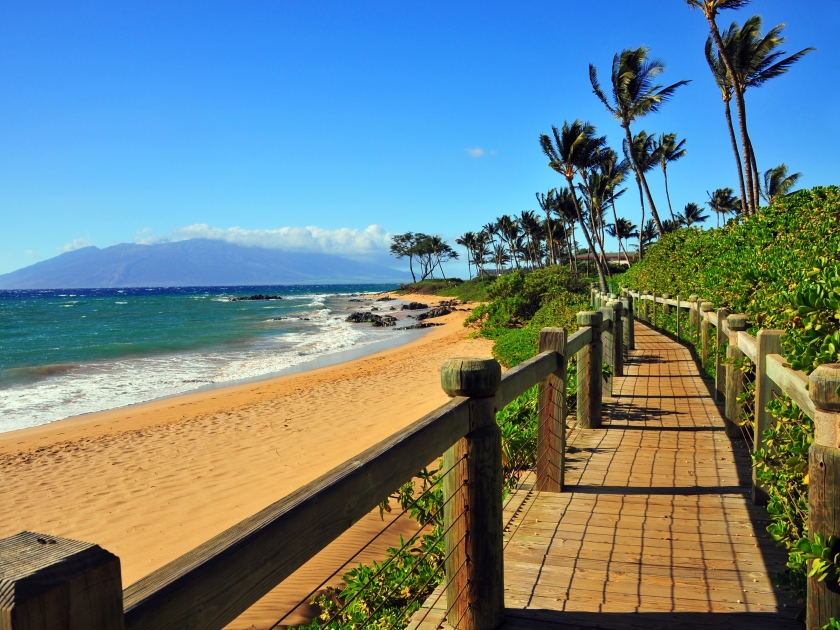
x,y
656,529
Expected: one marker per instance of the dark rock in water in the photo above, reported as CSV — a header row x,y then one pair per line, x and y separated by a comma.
x,y
393,308
372,318
414,306
387,298
438,311
259,296
420,325
373,308
355,300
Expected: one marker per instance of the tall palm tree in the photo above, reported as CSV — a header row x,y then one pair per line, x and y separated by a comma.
x,y
756,61
644,153
723,201
467,241
573,150
648,234
668,150
531,231
634,94
691,214
564,208
500,256
546,203
710,9
509,231
777,183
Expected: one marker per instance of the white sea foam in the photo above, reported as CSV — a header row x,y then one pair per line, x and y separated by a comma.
x,y
106,385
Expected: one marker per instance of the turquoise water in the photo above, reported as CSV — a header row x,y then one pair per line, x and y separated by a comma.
x,y
68,352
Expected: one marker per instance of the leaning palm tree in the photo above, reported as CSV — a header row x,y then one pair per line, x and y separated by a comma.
x,y
691,214
634,94
723,201
564,208
574,149
777,183
668,150
622,230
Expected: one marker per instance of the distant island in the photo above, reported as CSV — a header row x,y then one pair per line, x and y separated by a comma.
x,y
195,262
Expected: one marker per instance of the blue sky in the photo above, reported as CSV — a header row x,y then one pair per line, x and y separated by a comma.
x,y
134,121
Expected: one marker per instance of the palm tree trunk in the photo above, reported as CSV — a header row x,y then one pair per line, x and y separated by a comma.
x,y
668,194
748,204
756,184
641,177
642,224
735,151
601,277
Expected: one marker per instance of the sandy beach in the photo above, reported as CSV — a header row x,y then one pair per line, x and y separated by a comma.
x,y
152,481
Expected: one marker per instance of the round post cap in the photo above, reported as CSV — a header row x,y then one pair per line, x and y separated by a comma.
x,y
822,386
693,297
478,377
737,321
590,318
707,307
667,296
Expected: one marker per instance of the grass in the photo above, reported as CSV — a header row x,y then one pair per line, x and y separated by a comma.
x,y
470,291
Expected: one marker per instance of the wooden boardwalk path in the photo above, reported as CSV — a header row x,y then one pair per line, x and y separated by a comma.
x,y
655,528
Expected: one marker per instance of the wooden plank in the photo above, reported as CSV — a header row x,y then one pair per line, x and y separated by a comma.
x,y
524,376
577,341
792,382
712,318
747,345
211,585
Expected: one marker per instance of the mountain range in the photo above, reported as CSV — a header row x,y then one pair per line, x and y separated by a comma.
x,y
195,262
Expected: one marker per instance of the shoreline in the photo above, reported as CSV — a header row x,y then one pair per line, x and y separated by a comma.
x,y
153,481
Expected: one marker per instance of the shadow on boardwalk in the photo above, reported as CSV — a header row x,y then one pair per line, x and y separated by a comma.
x,y
655,528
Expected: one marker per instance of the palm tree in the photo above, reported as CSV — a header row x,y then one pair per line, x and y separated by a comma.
x,y
723,201
509,230
622,230
691,215
573,150
756,60
546,203
634,94
564,208
644,153
668,150
777,183
468,242
531,230
500,255
648,234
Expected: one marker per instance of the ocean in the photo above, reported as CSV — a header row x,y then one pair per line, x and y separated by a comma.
x,y
65,353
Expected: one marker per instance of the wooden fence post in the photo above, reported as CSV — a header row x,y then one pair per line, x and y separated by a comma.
x,y
705,307
692,314
734,377
473,517
629,321
666,308
48,582
618,337
653,306
767,342
645,307
551,431
589,360
698,315
720,370
679,319
824,487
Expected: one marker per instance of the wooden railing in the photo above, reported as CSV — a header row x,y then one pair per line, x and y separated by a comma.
x,y
46,581
815,394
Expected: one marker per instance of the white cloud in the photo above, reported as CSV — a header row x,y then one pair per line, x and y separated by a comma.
x,y
478,152
77,243
32,254
372,240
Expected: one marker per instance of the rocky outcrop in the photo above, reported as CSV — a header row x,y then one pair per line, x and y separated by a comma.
x,y
372,318
259,296
420,325
414,306
387,298
438,311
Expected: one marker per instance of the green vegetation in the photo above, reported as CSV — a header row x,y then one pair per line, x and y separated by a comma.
x,y
781,267
474,290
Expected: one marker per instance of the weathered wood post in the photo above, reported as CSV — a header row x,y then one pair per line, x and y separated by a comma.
x,y
720,369
48,582
589,360
705,307
824,486
766,342
551,432
629,318
692,314
679,319
645,306
734,376
653,306
607,345
698,312
666,308
473,511
617,336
